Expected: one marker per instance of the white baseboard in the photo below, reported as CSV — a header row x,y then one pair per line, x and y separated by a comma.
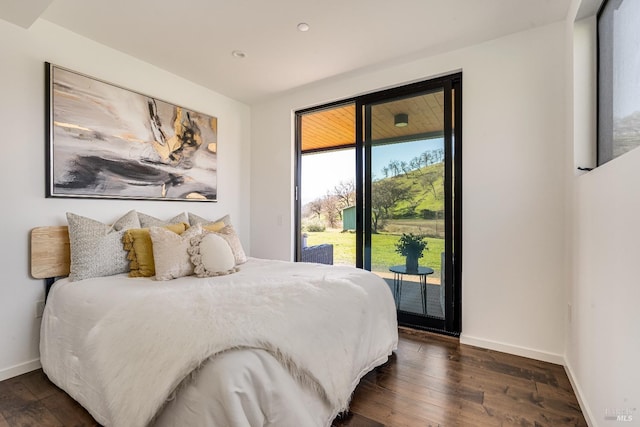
x,y
588,416
558,359
22,368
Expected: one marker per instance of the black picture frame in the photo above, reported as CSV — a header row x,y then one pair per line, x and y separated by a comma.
x,y
107,142
618,81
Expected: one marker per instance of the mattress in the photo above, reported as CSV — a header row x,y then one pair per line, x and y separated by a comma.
x,y
243,385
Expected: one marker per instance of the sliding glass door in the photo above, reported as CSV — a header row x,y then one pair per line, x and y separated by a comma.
x,y
402,221
326,194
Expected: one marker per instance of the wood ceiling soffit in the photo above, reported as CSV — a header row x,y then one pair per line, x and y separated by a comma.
x,y
335,127
329,128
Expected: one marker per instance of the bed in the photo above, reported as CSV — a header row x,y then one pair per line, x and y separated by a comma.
x,y
274,344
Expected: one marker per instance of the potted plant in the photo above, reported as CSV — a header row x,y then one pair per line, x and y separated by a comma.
x,y
411,246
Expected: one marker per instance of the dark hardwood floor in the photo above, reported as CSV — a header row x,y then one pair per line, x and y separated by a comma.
x,y
431,381
434,381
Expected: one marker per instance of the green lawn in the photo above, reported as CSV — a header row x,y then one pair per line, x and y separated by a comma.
x,y
383,255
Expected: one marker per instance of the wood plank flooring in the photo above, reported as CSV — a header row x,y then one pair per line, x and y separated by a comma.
x,y
431,381
434,381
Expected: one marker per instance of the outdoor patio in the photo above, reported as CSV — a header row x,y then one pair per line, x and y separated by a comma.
x,y
411,298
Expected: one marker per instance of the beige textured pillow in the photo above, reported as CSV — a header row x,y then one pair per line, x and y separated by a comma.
x,y
195,219
147,221
170,252
137,242
229,234
211,255
96,248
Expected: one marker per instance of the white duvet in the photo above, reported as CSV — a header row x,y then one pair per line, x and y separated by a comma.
x,y
122,346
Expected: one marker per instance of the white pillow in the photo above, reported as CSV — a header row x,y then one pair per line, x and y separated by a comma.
x,y
211,255
170,254
230,235
223,227
96,248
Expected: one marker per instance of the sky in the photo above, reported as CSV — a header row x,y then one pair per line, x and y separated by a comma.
x,y
321,172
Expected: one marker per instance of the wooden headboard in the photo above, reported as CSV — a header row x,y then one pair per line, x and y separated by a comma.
x,y
50,252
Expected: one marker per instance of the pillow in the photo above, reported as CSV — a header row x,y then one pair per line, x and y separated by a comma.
x,y
147,221
195,219
211,255
137,242
170,254
229,234
213,226
96,248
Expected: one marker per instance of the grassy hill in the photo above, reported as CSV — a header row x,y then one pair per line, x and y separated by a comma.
x,y
418,209
425,186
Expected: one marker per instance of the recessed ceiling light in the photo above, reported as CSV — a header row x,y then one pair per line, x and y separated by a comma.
x,y
303,26
238,54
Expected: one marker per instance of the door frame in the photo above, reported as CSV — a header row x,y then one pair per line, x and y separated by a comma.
x,y
452,86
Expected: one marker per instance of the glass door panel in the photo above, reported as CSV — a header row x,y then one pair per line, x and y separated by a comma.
x,y
326,193
407,215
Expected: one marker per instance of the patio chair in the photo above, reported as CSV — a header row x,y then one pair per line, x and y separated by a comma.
x,y
321,254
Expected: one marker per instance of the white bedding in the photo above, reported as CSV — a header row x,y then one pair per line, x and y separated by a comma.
x,y
280,330
245,387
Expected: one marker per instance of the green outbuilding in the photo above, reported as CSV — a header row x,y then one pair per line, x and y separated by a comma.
x,y
349,218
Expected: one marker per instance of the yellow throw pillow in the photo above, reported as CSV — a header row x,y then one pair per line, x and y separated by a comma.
x,y
195,219
215,226
137,243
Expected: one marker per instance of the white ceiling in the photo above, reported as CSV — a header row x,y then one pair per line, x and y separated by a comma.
x,y
194,38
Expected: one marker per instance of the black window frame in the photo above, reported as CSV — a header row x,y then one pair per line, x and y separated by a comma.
x,y
606,69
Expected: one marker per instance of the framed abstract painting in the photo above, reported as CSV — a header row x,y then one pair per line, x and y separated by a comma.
x,y
105,141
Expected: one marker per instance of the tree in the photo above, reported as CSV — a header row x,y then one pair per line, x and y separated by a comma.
x,y
414,164
331,210
429,178
315,206
426,158
385,195
345,192
404,166
394,167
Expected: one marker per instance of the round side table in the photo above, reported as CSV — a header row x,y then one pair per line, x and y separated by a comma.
x,y
399,271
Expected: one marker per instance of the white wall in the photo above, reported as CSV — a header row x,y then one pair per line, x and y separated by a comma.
x,y
513,154
22,113
584,76
603,341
